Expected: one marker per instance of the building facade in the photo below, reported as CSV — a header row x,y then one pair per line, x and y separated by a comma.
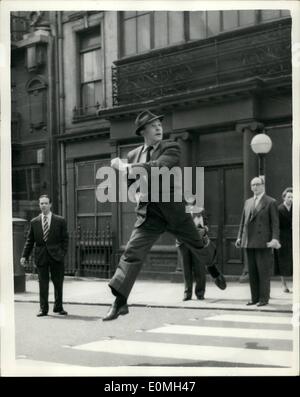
x,y
80,78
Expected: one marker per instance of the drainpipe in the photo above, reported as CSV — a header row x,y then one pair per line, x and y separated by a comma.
x,y
61,90
51,122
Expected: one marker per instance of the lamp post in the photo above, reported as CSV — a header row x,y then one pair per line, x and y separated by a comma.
x,y
261,144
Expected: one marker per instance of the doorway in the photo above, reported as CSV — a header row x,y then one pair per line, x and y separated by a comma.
x,y
223,201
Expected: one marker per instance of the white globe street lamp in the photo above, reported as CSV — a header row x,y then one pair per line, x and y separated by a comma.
x,y
261,144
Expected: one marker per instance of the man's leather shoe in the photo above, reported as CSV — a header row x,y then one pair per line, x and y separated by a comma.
x,y
220,281
244,278
262,303
115,311
62,313
186,297
251,303
200,297
42,314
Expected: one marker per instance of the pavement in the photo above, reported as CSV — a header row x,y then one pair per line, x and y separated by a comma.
x,y
154,293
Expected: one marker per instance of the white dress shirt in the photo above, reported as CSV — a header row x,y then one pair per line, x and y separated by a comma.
x,y
257,199
144,152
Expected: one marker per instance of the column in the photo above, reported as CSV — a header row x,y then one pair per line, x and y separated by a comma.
x,y
114,218
184,139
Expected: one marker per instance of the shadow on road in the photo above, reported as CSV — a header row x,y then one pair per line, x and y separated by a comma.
x,y
205,364
76,317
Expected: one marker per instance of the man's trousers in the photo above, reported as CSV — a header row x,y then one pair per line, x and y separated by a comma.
x,y
161,217
193,270
260,262
57,276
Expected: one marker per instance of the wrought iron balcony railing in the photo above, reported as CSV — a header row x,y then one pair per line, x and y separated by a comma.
x,y
19,27
254,52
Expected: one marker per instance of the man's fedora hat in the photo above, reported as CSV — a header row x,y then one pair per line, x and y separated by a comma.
x,y
145,117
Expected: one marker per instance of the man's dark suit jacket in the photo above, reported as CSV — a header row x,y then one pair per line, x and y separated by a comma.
x,y
260,227
57,242
166,154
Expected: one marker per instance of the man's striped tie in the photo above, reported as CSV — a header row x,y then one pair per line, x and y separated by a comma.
x,y
46,228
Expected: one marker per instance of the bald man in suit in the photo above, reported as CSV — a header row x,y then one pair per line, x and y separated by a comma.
x,y
259,235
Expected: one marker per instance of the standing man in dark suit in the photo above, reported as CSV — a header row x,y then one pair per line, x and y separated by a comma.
x,y
193,270
153,218
259,234
48,233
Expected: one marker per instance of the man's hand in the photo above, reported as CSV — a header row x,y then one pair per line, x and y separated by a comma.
x,y
274,244
118,164
238,243
22,261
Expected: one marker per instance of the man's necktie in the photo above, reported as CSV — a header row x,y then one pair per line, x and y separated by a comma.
x,y
45,228
148,155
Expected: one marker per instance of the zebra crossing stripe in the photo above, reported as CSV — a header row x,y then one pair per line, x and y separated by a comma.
x,y
225,332
251,319
191,352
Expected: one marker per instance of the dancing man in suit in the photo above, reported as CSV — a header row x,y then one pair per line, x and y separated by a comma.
x,y
48,234
259,234
154,217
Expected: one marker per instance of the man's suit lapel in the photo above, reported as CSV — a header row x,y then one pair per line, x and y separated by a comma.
x,y
156,152
137,154
248,208
52,225
39,225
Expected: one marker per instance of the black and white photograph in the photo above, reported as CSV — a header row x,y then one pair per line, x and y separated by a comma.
x,y
149,164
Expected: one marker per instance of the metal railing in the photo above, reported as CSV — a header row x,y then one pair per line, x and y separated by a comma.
x,y
91,253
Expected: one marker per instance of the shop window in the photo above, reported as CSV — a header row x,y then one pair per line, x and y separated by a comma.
x,y
90,214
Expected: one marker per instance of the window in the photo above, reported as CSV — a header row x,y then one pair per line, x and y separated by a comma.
x,y
142,31
197,25
90,214
168,28
26,183
91,73
136,31
37,101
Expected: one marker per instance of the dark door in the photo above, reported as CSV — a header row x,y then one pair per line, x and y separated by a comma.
x,y
223,203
